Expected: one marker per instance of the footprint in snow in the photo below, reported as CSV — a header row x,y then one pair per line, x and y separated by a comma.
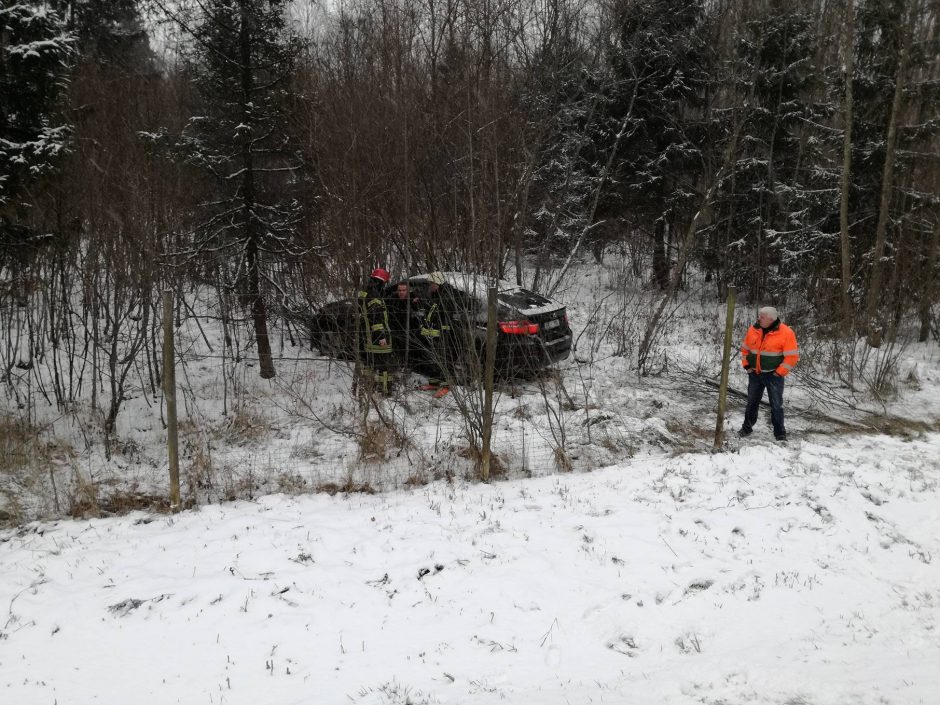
x,y
625,645
698,586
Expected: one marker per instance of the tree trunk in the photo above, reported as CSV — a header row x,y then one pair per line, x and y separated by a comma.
x,y
660,263
522,201
848,72
872,327
259,314
930,286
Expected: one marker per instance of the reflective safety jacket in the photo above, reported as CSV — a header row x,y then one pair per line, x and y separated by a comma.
x,y
773,350
433,325
374,325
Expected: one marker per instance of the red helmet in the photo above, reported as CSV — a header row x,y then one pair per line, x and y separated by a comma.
x,y
381,274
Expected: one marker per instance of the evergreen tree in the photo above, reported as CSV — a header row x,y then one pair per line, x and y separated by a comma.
x,y
35,51
108,31
879,29
565,100
663,71
779,205
242,62
630,132
896,48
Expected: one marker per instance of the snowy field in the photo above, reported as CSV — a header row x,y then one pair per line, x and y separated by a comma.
x,y
804,575
613,560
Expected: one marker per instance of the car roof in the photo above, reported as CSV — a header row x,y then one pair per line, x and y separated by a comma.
x,y
474,284
510,294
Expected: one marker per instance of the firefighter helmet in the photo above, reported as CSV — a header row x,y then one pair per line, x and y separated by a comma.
x,y
381,274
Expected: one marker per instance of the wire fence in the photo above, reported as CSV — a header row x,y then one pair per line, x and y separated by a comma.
x,y
305,430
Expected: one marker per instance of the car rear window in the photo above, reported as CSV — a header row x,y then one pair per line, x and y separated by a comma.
x,y
523,299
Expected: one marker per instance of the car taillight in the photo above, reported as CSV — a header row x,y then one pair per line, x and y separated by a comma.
x,y
519,327
566,318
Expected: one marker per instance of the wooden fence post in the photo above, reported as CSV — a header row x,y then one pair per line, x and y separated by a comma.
x,y
169,392
488,376
725,364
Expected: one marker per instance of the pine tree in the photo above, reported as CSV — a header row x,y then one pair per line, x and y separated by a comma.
x,y
663,71
241,66
111,32
895,94
565,101
779,205
35,55
625,137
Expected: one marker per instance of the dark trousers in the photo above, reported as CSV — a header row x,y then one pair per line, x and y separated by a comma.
x,y
756,384
435,361
375,371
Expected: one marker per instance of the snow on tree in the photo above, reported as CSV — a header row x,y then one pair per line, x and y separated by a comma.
x,y
35,54
109,31
779,205
894,203
662,63
564,100
627,130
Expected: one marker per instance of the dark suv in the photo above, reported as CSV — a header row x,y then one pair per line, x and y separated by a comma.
x,y
532,330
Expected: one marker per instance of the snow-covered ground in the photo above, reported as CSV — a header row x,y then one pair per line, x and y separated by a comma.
x,y
808,574
655,572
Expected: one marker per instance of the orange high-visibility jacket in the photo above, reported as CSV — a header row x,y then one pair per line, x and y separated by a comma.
x,y
773,351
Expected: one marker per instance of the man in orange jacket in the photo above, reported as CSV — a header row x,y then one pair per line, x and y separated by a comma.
x,y
768,353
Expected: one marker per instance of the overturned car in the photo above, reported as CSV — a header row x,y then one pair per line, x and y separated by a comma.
x,y
532,330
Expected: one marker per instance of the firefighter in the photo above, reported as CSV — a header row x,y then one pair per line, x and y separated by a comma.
x,y
376,335
768,354
435,336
